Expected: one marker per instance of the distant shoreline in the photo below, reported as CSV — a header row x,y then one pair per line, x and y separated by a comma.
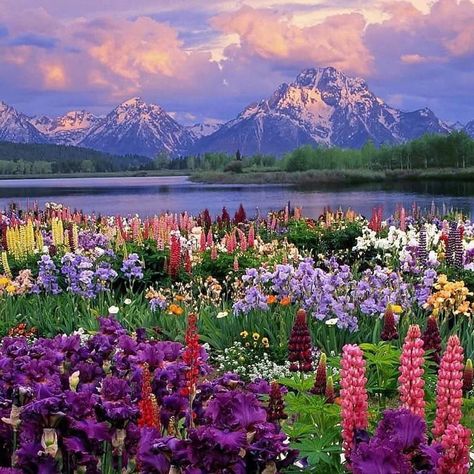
x,y
330,176
109,174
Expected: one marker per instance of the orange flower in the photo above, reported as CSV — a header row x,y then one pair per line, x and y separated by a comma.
x,y
179,298
285,301
271,299
175,309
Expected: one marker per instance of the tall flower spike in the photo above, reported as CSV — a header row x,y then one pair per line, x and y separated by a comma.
x,y
148,406
432,339
330,394
389,331
449,388
354,405
467,377
319,387
411,383
299,345
456,442
276,405
458,248
422,249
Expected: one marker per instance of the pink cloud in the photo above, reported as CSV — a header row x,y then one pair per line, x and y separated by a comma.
x,y
267,34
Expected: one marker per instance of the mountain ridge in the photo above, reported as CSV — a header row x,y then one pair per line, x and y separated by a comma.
x,y
322,106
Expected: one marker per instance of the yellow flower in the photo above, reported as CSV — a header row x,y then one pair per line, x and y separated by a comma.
x,y
4,281
256,336
396,308
265,342
244,334
10,289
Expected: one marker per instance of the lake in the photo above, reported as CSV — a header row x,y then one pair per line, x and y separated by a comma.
x,y
150,195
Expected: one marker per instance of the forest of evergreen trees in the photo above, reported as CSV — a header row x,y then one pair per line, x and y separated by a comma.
x,y
25,159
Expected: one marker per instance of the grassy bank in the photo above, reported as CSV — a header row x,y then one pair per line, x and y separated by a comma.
x,y
109,174
305,178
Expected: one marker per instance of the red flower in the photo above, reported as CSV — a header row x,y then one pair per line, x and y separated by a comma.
x,y
299,345
148,406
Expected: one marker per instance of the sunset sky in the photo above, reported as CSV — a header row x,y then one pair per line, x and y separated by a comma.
x,y
207,59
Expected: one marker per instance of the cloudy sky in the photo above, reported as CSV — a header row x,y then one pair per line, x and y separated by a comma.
x,y
207,59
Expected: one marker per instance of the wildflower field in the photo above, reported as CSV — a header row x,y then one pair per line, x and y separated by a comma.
x,y
181,344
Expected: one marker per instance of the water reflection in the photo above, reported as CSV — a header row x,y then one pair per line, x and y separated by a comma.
x,y
149,195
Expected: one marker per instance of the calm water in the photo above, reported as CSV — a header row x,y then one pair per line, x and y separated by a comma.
x,y
147,196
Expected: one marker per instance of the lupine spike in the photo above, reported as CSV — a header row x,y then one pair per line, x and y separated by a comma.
x,y
449,387
320,382
411,383
299,345
468,376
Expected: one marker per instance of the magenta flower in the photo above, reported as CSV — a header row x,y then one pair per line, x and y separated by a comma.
x,y
455,441
449,388
411,383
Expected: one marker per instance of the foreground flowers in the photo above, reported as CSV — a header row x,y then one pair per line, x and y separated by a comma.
x,y
101,403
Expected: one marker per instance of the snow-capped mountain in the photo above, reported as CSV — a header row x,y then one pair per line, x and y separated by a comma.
x,y
322,106
68,129
135,127
204,129
16,127
469,128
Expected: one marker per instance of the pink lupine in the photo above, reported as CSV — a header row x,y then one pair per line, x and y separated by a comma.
x,y
354,405
236,264
202,241
243,241
213,252
449,387
411,383
251,237
456,442
403,219
210,239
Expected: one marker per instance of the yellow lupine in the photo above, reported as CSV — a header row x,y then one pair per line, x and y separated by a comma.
x,y
5,265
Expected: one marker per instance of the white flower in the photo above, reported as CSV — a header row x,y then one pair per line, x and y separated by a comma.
x,y
127,301
113,310
222,314
331,322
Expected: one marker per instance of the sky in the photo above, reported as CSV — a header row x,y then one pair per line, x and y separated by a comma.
x,y
205,60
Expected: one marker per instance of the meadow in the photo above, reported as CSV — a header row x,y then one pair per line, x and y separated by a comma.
x,y
233,344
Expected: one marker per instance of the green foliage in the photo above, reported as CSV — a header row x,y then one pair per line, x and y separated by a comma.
x,y
28,158
234,167
321,241
455,150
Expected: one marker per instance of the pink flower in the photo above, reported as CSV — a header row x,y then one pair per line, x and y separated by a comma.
x,y
455,442
354,404
251,238
449,388
411,383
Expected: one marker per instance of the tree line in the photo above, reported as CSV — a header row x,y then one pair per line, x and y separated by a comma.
x,y
455,150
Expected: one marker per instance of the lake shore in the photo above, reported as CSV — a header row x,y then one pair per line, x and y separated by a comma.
x,y
305,178
109,174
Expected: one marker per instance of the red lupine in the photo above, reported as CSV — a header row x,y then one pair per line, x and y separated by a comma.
x,y
468,376
240,215
389,331
251,237
210,239
299,345
175,256
432,339
411,383
354,404
330,393
276,405
148,406
449,388
375,222
456,442
320,381
187,262
191,355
